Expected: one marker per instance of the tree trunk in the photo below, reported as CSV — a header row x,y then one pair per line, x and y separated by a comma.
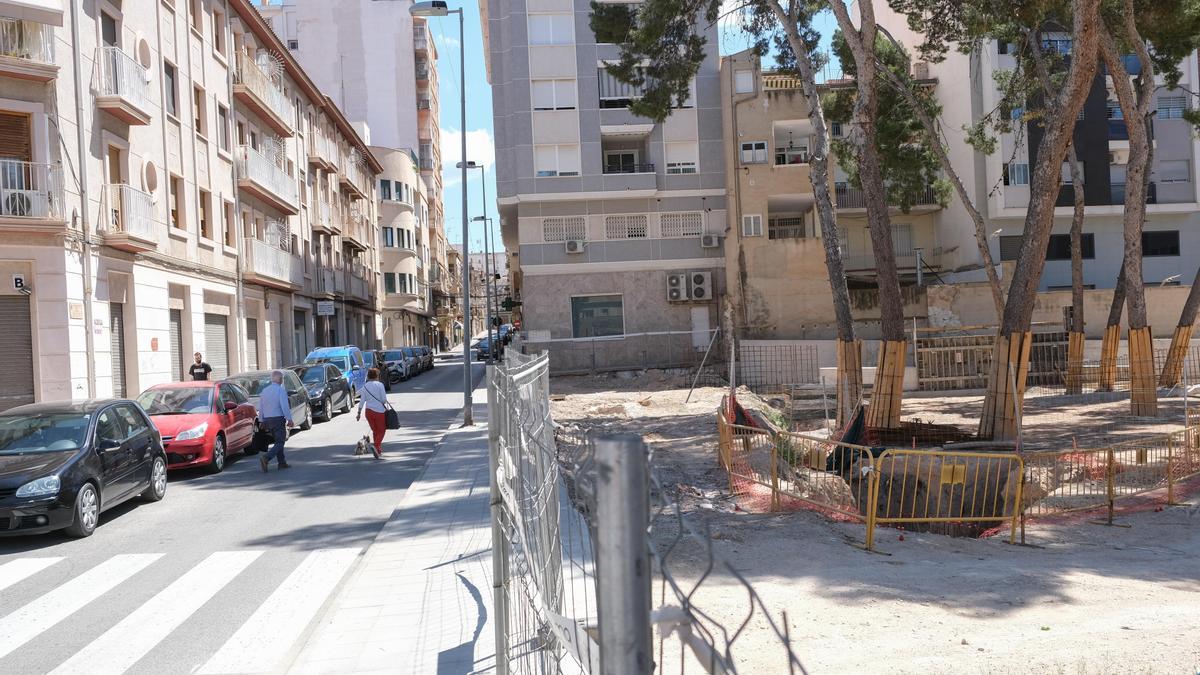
x,y
1010,365
849,374
1112,336
1172,370
1039,219
1135,106
888,389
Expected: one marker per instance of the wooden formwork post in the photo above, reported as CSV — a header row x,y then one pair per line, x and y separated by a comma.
x,y
1172,370
1110,459
887,395
1006,387
1171,469
775,471
1108,358
849,379
1143,397
1075,362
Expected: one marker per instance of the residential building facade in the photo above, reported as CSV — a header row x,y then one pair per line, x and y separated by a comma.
x,y
602,208
157,199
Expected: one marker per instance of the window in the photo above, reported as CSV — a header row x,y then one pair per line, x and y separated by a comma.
x,y
199,111
205,214
293,45
223,127
1067,178
1114,111
597,316
836,130
625,226
1171,107
1173,171
170,91
1016,174
752,225
218,31
754,152
389,237
613,92
197,15
564,229
551,29
1158,244
389,282
681,224
1062,45
1002,47
556,160
230,229
682,157
175,200
385,189
553,94
743,81
1059,246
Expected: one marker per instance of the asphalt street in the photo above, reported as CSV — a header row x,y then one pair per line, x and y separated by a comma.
x,y
229,571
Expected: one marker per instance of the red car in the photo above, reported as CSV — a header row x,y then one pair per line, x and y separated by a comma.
x,y
201,423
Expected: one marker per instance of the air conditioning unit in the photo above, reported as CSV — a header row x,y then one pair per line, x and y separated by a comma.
x,y
575,246
700,287
25,203
710,240
920,70
677,287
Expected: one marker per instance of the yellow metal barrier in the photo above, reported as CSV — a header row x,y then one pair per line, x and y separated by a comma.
x,y
828,475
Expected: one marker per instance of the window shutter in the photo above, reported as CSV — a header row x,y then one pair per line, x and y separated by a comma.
x,y
16,139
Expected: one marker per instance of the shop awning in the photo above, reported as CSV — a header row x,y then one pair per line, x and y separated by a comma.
x,y
39,11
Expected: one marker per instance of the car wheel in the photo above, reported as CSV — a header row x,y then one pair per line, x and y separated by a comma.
x,y
217,465
87,512
307,423
327,406
348,404
158,481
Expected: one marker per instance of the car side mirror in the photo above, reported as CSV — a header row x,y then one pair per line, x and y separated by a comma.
x,y
230,406
106,444
355,368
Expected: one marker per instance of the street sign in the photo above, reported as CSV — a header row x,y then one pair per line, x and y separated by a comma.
x,y
325,308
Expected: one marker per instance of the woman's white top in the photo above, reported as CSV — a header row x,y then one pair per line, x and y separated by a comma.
x,y
373,396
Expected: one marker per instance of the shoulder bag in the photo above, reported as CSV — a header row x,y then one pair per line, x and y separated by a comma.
x,y
391,418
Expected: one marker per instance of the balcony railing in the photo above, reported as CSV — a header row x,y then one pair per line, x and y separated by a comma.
x,y
786,228
264,260
628,168
29,190
790,156
323,149
905,259
1118,194
852,198
252,77
777,82
122,77
257,167
27,40
422,73
420,38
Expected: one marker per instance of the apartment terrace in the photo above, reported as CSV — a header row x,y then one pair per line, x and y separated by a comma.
x,y
27,50
31,196
261,176
123,89
255,89
322,150
266,264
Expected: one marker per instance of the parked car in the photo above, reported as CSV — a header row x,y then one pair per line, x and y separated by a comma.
x,y
401,365
256,380
426,357
63,463
201,423
418,362
372,359
482,349
505,333
348,359
327,389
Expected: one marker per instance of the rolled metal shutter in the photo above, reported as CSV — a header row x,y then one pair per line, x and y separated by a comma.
x,y
251,344
116,346
16,352
176,330
216,340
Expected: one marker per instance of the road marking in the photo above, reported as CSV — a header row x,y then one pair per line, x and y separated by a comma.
x,y
21,569
267,636
134,636
39,615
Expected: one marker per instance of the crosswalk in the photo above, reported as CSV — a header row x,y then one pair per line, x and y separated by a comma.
x,y
126,639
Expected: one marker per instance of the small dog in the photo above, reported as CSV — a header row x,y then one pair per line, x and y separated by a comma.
x,y
363,447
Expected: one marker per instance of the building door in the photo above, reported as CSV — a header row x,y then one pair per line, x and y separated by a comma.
x,y
108,30
116,334
216,339
16,351
700,328
251,344
17,195
175,327
299,335
114,178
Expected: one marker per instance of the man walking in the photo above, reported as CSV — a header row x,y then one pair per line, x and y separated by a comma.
x,y
275,416
200,370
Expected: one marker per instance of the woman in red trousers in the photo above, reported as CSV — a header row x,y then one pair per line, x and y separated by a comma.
x,y
374,399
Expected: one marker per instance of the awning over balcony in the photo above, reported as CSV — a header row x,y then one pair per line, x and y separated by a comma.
x,y
39,11
626,130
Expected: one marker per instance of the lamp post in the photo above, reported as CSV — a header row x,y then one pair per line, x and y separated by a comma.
x,y
439,8
488,270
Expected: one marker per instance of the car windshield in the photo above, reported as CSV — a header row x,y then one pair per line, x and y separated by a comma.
x,y
369,358
177,400
253,384
410,352
342,362
393,355
312,374
51,432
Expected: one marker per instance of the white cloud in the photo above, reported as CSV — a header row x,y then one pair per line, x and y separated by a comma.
x,y
480,149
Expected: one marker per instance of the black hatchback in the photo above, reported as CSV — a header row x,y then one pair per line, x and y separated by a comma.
x,y
63,463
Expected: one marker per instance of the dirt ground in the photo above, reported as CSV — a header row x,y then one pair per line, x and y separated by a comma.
x,y
1081,599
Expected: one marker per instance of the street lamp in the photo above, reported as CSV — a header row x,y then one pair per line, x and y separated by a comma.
x,y
488,285
439,8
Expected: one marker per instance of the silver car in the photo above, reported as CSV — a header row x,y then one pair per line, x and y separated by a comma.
x,y
401,365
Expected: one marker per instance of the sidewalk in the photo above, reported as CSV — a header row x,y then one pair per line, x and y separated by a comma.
x,y
420,599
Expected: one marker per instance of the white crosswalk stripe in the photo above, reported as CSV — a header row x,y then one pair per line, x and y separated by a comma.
x,y
267,636
21,569
134,636
43,613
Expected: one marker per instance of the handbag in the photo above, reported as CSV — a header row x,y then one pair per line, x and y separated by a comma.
x,y
391,418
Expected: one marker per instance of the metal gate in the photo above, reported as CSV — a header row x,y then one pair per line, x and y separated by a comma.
x,y
216,339
176,337
299,336
16,352
251,344
116,334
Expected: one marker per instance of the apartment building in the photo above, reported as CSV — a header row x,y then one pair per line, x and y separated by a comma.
x,y
603,209
379,64
158,197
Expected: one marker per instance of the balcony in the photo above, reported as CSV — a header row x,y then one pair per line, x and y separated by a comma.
x,y
354,178
906,259
31,195
268,265
323,220
789,227
1118,194
420,38
124,87
628,168
358,230
422,72
261,177
255,89
322,152
131,225
27,50
852,198
324,281
357,287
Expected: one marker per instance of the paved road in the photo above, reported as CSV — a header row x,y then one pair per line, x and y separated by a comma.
x,y
227,573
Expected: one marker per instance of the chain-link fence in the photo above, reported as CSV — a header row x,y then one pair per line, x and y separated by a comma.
x,y
595,561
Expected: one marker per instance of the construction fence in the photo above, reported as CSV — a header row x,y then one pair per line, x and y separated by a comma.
x,y
950,492
632,351
594,562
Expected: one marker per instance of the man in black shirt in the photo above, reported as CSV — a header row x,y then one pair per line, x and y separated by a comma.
x,y
200,369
